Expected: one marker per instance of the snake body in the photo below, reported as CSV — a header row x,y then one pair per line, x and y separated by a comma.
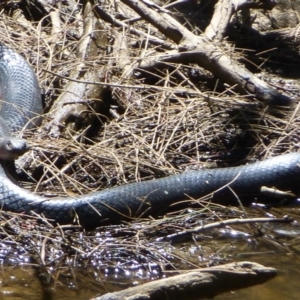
x,y
21,103
133,200
19,90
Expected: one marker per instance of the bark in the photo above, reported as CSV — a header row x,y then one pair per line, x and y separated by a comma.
x,y
203,283
79,99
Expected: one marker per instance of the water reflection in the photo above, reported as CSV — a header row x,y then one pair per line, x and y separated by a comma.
x,y
82,265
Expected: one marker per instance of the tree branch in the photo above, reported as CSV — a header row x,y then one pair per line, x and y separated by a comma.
x,y
203,283
207,54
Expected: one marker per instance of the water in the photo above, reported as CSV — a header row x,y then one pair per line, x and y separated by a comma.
x,y
49,264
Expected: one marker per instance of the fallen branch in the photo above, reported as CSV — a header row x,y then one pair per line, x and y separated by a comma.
x,y
203,283
207,53
198,229
79,100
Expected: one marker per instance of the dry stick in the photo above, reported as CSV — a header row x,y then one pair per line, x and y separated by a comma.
x,y
169,5
128,86
56,24
162,21
186,232
220,20
203,283
288,125
74,92
198,49
174,90
224,9
110,19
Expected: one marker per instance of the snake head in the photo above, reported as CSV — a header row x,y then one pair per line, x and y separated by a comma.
x,y
12,147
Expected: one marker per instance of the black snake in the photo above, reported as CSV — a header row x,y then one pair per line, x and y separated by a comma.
x,y
20,93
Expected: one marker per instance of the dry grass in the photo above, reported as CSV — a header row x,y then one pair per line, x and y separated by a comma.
x,y
163,129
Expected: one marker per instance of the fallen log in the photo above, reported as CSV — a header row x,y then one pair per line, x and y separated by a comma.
x,y
198,284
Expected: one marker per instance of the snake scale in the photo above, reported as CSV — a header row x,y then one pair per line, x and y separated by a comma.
x,y
19,89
